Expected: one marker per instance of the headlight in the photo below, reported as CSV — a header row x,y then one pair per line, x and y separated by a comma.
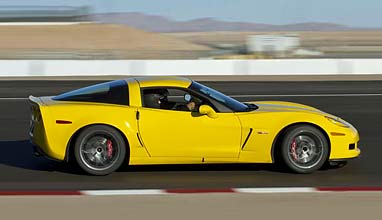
x,y
338,121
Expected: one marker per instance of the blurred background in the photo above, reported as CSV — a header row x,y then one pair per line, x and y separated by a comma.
x,y
198,29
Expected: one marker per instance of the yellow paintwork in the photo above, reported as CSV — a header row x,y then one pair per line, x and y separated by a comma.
x,y
180,134
163,81
176,137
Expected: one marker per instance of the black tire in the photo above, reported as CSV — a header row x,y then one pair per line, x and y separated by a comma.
x,y
304,149
99,150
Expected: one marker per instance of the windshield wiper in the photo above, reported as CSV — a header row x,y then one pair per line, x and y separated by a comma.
x,y
251,106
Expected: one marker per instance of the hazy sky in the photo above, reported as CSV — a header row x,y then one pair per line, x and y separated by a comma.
x,y
358,13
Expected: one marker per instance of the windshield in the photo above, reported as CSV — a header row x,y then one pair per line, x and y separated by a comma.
x,y
231,103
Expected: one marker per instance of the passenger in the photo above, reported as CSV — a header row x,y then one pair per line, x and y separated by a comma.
x,y
191,105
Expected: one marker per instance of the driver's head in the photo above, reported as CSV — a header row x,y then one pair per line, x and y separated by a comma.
x,y
154,98
162,95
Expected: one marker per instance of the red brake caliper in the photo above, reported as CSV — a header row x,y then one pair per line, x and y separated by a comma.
x,y
293,148
109,148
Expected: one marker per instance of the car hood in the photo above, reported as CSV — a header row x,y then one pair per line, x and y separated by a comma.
x,y
278,106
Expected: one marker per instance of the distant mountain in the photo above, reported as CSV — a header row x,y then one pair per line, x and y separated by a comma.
x,y
162,24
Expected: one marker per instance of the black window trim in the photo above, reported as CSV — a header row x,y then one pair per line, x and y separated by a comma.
x,y
124,84
213,103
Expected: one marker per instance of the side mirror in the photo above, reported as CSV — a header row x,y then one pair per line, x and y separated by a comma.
x,y
207,110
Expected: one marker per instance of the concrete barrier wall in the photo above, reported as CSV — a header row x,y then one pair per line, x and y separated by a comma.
x,y
189,67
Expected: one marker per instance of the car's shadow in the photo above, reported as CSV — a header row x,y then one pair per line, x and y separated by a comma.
x,y
20,154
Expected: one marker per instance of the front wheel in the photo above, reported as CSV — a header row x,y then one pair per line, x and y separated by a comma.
x,y
99,150
305,149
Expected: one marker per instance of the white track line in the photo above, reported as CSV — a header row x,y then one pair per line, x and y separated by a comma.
x,y
123,192
273,95
276,190
6,99
309,95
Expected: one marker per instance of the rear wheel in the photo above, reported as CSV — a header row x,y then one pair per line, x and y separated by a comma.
x,y
304,149
99,150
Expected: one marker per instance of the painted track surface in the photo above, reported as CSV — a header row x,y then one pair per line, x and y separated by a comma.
x,y
197,206
20,170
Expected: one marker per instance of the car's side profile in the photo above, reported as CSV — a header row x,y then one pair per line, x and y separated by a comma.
x,y
172,120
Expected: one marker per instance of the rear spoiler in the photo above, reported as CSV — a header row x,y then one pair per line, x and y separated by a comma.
x,y
36,100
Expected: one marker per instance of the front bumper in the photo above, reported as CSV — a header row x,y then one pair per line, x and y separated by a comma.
x,y
346,146
356,154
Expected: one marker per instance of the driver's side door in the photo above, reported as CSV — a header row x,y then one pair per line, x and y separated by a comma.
x,y
177,132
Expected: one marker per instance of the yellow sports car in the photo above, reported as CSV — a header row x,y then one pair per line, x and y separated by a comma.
x,y
173,120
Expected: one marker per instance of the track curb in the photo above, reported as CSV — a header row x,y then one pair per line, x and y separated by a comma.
x,y
265,190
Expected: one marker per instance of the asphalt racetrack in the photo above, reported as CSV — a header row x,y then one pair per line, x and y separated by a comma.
x,y
360,103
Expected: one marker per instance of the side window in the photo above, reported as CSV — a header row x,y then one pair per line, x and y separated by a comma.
x,y
115,92
175,99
